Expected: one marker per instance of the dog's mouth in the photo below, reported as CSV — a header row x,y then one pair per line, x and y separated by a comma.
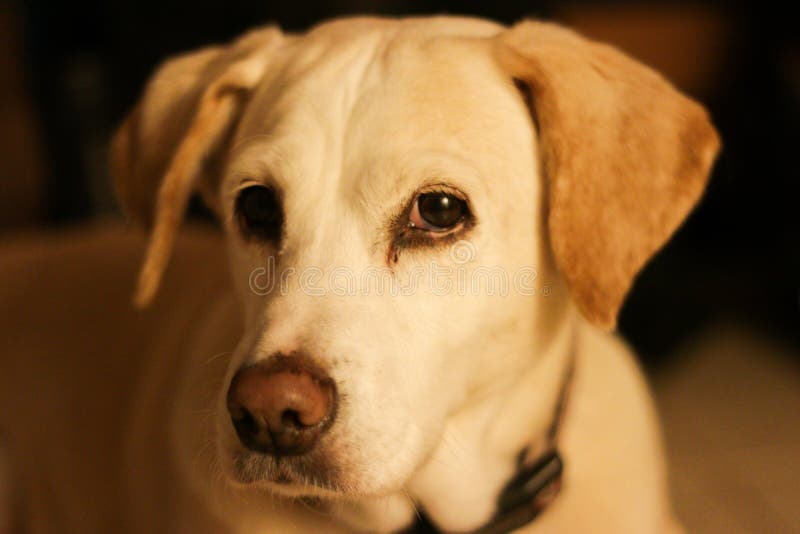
x,y
309,474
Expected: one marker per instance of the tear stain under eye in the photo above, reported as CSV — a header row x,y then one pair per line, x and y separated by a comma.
x,y
403,235
409,238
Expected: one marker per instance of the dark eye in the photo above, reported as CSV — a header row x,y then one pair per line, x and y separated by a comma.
x,y
437,211
259,211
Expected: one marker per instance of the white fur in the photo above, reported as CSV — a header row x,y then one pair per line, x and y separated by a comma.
x,y
440,392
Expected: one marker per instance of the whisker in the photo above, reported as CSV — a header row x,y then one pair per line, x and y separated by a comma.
x,y
218,356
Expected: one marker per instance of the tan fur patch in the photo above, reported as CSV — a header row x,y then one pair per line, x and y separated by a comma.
x,y
160,153
625,154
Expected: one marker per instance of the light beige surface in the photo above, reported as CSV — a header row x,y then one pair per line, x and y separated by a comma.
x,y
730,403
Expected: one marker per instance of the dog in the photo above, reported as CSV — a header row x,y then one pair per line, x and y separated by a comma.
x,y
431,225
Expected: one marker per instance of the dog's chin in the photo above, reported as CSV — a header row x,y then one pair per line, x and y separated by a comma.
x,y
291,476
327,472
311,475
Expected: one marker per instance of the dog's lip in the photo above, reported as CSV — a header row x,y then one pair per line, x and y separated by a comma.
x,y
267,469
287,477
295,475
281,475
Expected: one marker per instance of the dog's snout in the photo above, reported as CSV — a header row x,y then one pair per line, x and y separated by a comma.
x,y
282,406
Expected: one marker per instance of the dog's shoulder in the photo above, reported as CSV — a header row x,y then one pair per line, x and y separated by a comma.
x,y
611,443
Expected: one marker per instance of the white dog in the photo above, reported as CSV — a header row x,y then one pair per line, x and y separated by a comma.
x,y
432,224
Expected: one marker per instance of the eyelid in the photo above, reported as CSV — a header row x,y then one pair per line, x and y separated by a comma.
x,y
441,187
245,183
232,192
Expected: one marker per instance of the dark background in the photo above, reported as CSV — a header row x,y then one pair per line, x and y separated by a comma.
x,y
70,70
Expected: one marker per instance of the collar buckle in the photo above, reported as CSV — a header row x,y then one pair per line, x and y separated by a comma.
x,y
531,490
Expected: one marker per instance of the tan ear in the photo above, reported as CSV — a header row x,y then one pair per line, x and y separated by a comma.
x,y
625,155
174,141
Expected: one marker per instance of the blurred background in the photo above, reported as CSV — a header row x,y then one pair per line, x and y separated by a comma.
x,y
716,315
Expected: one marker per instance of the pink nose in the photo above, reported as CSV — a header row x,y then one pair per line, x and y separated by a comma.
x,y
282,406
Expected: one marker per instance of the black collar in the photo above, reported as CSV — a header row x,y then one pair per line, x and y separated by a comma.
x,y
532,488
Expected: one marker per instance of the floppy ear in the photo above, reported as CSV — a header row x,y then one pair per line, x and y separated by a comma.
x,y
625,156
174,141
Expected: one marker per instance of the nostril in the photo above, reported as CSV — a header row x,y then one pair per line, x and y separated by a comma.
x,y
291,418
243,418
252,434
237,412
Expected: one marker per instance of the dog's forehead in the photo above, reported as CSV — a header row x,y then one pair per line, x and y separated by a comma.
x,y
348,104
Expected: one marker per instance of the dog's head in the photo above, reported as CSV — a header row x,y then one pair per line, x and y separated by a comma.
x,y
403,200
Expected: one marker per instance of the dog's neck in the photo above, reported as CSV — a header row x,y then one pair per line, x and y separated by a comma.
x,y
459,484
